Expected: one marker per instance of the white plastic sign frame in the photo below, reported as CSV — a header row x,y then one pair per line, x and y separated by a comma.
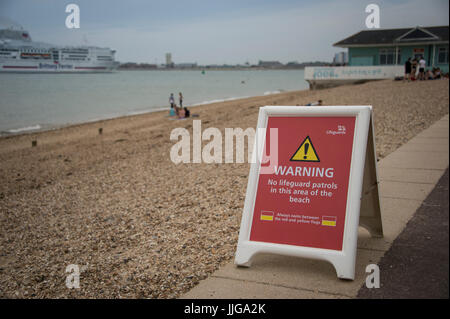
x,y
362,172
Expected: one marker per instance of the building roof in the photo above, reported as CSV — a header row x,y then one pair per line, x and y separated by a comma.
x,y
396,36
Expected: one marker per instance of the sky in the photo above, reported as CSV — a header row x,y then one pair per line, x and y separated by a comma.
x,y
216,31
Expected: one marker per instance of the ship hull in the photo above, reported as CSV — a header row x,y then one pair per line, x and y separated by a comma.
x,y
51,67
19,54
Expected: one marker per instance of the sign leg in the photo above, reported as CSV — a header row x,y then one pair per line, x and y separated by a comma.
x,y
244,256
370,213
345,267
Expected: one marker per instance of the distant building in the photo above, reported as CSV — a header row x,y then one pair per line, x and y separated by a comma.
x,y
136,66
394,46
169,62
340,58
186,65
294,65
270,64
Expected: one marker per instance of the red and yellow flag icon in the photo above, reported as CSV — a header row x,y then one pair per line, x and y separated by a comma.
x,y
267,216
329,220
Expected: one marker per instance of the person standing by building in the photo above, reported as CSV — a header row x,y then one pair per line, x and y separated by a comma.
x,y
407,70
180,96
413,69
422,66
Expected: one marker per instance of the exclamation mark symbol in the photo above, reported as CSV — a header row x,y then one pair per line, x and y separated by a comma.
x,y
306,151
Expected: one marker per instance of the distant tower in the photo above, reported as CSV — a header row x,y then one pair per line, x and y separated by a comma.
x,y
340,58
169,62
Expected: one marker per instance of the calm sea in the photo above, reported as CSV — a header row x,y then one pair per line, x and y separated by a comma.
x,y
41,101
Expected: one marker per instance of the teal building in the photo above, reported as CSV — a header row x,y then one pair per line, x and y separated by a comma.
x,y
394,46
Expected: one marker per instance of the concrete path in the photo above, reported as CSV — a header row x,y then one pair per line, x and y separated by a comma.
x,y
406,176
416,265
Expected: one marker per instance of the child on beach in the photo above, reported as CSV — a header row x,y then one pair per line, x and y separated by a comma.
x,y
184,113
437,73
181,113
171,100
177,110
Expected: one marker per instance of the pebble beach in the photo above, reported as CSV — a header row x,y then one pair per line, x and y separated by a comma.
x,y
138,225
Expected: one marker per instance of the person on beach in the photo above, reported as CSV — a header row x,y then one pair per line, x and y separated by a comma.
x,y
408,66
437,73
422,66
181,113
413,69
171,101
317,103
187,113
177,110
180,96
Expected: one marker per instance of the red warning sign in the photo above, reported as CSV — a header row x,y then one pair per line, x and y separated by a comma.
x,y
302,200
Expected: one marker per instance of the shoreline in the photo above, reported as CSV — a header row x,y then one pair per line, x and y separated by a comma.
x,y
7,134
25,131
218,69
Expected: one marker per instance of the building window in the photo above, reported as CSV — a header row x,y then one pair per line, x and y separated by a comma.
x,y
443,55
387,56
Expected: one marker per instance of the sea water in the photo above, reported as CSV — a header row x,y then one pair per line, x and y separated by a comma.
x,y
30,102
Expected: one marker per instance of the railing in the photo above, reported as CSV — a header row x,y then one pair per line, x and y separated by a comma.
x,y
353,72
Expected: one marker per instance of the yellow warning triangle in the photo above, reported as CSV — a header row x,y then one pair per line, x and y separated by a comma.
x,y
306,152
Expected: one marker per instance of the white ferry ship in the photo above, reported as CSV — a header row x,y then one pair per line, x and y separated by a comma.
x,y
18,53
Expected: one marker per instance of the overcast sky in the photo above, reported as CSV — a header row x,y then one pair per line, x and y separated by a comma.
x,y
213,31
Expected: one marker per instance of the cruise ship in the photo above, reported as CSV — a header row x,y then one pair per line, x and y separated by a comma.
x,y
18,53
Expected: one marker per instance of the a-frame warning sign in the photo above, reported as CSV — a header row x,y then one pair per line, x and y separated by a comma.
x,y
294,218
306,152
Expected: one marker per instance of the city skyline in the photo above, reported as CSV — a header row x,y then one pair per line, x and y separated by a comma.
x,y
212,32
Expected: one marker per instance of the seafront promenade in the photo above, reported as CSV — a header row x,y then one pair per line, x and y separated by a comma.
x,y
407,177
